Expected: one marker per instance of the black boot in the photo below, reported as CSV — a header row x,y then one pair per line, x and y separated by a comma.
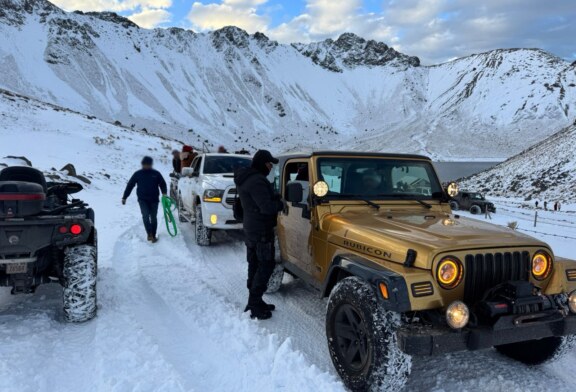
x,y
258,308
264,305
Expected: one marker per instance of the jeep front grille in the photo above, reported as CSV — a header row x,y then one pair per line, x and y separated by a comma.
x,y
484,271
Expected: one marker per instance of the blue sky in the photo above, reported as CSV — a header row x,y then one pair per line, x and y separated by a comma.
x,y
434,30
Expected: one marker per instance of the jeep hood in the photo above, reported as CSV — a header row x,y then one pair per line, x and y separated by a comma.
x,y
391,234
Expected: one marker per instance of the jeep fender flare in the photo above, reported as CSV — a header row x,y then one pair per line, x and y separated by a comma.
x,y
354,265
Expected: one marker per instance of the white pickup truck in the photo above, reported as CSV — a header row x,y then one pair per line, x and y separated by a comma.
x,y
206,194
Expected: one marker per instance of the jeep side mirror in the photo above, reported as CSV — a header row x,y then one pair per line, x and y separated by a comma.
x,y
187,172
294,192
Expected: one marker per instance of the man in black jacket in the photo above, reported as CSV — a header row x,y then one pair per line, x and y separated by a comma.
x,y
261,206
149,182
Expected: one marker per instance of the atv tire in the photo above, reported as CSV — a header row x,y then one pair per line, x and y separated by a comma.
x,y
275,281
454,205
202,233
475,210
362,339
80,273
537,352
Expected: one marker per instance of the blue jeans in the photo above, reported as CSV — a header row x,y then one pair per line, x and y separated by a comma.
x,y
149,211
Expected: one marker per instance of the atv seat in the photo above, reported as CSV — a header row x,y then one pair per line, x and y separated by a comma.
x,y
23,174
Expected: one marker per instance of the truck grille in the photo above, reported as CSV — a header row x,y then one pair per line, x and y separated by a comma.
x,y
230,196
484,271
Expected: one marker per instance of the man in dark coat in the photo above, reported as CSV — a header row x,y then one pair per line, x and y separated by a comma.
x,y
261,206
150,183
176,162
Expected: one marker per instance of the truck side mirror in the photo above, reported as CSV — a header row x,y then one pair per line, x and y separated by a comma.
x,y
187,172
294,192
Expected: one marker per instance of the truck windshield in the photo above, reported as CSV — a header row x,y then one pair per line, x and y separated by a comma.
x,y
379,178
224,164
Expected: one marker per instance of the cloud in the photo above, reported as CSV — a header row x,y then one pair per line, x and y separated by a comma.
x,y
145,13
240,13
150,18
111,5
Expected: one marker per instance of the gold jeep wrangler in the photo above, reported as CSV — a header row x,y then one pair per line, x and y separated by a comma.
x,y
405,276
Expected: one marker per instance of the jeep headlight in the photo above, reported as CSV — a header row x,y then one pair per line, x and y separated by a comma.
x,y
449,272
213,195
541,265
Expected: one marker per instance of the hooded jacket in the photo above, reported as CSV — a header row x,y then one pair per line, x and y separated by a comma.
x,y
259,202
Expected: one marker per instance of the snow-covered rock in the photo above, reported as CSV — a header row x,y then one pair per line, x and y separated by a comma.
x,y
229,87
545,171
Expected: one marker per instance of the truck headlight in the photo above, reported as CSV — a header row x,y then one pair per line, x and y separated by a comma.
x,y
541,265
457,315
449,272
213,195
572,302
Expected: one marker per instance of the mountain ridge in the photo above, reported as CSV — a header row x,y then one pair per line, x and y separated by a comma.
x,y
230,87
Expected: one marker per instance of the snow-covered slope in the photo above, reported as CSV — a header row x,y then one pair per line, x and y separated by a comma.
x,y
170,314
546,171
228,87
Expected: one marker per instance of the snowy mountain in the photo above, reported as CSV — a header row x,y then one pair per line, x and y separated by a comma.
x,y
229,87
546,171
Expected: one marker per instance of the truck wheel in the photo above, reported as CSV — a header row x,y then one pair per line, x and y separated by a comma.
x,y
537,352
454,205
475,210
181,216
80,272
362,339
203,234
275,281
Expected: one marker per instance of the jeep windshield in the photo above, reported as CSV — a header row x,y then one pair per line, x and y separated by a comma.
x,y
379,179
224,164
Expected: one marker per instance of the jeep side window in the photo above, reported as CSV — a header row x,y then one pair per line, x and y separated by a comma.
x,y
274,178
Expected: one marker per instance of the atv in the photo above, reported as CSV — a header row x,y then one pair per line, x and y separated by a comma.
x,y
46,236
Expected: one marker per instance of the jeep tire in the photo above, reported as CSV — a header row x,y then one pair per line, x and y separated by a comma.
x,y
454,205
80,273
475,209
362,339
537,352
202,233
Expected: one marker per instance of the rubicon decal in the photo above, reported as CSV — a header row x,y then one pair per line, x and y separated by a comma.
x,y
366,249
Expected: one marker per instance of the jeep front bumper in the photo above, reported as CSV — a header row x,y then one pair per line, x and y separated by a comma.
x,y
424,340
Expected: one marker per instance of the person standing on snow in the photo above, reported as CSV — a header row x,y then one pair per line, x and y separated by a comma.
x,y
261,206
149,182
176,162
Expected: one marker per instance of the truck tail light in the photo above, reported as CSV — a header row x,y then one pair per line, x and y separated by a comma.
x,y
76,229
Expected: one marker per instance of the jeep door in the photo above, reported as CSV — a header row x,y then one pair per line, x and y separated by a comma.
x,y
294,226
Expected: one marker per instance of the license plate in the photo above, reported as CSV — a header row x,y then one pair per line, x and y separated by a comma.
x,y
17,268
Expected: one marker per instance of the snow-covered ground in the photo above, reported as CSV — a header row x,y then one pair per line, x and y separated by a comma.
x,y
170,315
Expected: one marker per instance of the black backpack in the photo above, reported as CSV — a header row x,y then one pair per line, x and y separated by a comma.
x,y
237,209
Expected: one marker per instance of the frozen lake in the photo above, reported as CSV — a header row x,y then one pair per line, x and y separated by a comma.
x,y
449,171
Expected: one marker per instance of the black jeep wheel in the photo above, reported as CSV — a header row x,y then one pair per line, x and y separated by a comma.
x,y
362,339
537,352
202,233
475,210
181,216
454,205
80,273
